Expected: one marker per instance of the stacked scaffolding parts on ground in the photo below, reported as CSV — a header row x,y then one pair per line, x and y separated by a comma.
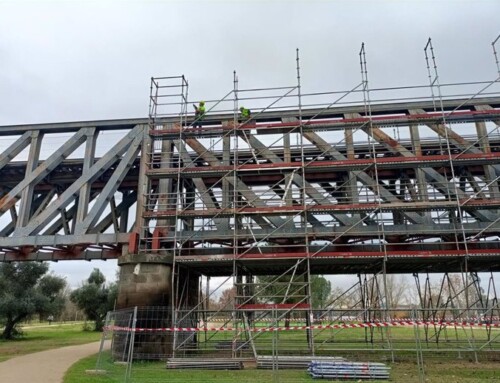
x,y
348,370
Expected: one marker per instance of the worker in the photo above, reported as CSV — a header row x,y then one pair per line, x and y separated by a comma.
x,y
244,114
199,114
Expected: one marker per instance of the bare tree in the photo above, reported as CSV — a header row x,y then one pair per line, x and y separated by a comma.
x,y
398,290
226,300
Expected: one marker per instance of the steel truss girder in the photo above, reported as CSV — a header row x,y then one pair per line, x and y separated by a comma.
x,y
296,178
38,173
127,147
104,197
361,175
236,182
440,182
67,213
454,138
199,183
64,208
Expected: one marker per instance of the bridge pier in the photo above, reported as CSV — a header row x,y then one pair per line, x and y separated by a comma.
x,y
145,280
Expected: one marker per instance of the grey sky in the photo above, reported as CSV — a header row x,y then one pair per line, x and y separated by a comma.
x,y
76,60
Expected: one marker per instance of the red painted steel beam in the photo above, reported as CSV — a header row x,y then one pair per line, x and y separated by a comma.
x,y
431,117
271,306
341,255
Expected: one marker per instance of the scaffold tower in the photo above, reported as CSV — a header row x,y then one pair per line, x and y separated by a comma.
x,y
368,182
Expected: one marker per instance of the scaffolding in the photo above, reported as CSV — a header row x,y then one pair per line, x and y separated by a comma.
x,y
368,182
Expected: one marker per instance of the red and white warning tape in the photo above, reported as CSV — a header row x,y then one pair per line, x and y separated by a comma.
x,y
315,327
353,318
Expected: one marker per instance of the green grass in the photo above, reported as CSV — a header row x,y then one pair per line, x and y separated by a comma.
x,y
332,340
39,338
436,371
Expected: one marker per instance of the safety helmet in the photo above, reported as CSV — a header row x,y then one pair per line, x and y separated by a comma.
x,y
202,102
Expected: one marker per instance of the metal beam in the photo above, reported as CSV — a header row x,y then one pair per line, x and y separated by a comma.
x,y
121,211
15,148
111,187
128,124
366,179
112,156
310,190
27,193
441,183
64,240
83,199
237,183
44,168
199,184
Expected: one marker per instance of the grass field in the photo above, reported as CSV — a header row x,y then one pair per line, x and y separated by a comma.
x,y
436,371
400,339
38,338
448,361
45,337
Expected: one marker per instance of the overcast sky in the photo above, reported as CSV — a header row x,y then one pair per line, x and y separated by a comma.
x,y
88,60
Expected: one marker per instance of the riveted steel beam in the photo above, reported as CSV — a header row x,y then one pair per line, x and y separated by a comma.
x,y
440,182
362,176
111,187
68,196
43,169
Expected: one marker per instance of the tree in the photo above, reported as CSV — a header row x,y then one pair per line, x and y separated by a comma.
x,y
285,290
52,287
70,312
279,290
398,290
25,290
226,300
321,291
95,298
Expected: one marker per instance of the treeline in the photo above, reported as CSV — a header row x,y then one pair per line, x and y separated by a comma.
x,y
29,292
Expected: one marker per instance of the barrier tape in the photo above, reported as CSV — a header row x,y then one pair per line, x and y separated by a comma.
x,y
339,319
314,327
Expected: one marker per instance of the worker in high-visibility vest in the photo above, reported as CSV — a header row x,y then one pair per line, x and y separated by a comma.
x,y
244,114
199,114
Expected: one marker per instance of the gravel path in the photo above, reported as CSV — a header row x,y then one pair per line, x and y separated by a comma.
x,y
45,366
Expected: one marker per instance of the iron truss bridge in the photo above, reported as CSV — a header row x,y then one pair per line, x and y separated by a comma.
x,y
345,190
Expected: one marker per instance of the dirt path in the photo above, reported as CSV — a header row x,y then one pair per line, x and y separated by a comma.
x,y
45,366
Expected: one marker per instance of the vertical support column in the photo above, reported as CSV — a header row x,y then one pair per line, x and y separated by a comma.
x,y
388,306
114,216
189,203
363,302
351,185
287,158
143,185
226,161
123,217
188,284
88,161
27,194
484,143
166,199
423,194
307,274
